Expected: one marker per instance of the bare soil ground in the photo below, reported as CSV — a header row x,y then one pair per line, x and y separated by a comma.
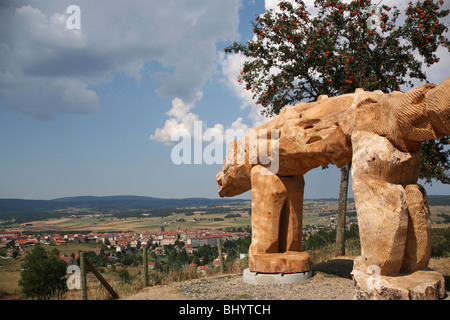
x,y
331,281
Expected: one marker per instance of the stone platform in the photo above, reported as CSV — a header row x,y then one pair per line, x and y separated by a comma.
x,y
275,278
419,285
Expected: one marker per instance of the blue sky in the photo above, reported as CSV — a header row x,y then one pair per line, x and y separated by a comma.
x,y
90,111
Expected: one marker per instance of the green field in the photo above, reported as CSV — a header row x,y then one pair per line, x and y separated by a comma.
x,y
316,214
193,218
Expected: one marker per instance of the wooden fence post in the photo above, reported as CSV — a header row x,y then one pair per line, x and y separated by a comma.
x,y
83,276
219,247
101,279
145,267
85,264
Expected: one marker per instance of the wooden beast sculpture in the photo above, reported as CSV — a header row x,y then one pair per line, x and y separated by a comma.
x,y
381,134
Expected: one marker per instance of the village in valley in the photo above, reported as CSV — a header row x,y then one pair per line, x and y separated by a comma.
x,y
121,243
184,230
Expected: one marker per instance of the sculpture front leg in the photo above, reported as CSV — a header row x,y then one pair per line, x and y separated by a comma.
x,y
268,198
276,223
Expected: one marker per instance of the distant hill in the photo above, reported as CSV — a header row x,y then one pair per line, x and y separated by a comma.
x,y
439,200
106,204
106,198
122,203
8,206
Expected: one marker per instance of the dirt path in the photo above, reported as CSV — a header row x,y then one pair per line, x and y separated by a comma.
x,y
331,281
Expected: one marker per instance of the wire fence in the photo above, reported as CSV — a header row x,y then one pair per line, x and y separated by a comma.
x,y
122,281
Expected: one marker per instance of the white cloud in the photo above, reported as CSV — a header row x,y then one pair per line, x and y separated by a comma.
x,y
438,72
43,63
231,66
183,122
238,125
181,117
180,120
273,5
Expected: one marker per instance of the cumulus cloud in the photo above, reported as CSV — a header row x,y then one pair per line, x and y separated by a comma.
x,y
181,118
180,122
184,123
47,69
231,65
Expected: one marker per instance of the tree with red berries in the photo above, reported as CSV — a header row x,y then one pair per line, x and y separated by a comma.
x,y
296,56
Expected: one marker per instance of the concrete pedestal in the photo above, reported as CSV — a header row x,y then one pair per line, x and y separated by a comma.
x,y
275,278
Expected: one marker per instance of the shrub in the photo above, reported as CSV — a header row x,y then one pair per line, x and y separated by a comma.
x,y
43,274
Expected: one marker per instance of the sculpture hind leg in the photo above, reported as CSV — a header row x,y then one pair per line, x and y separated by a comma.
x,y
393,213
418,240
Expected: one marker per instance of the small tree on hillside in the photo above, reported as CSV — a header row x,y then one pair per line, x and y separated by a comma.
x,y
43,274
295,56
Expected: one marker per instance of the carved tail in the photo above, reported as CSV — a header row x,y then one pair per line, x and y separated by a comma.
x,y
438,107
412,116
424,112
